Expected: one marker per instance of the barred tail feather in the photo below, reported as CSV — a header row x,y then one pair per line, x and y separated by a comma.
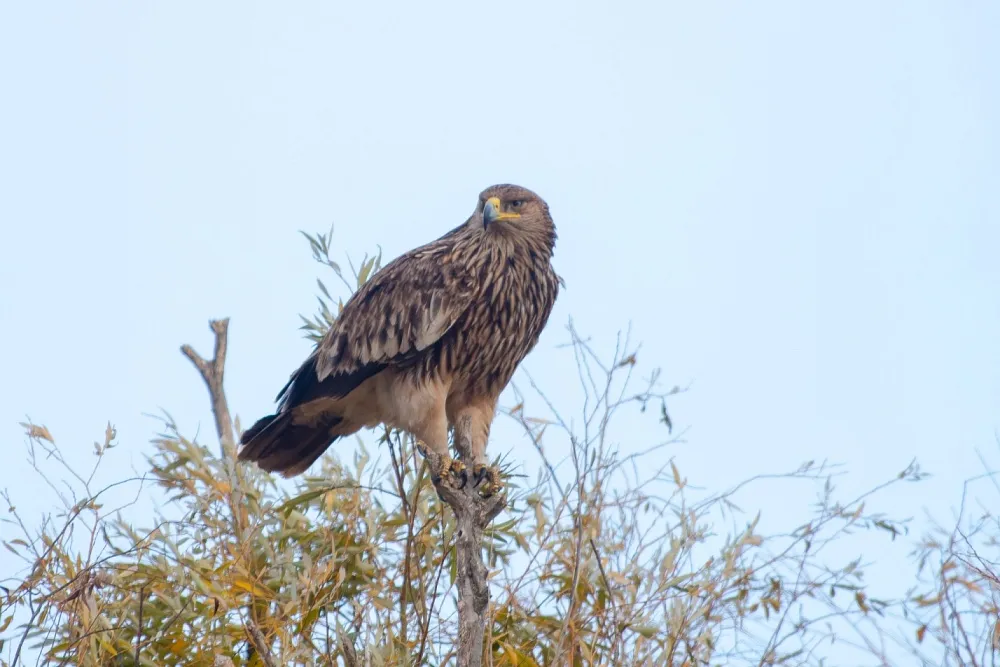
x,y
277,444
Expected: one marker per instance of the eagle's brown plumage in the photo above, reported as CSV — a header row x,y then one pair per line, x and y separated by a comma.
x,y
433,336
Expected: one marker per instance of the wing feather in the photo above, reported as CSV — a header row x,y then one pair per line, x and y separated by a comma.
x,y
401,311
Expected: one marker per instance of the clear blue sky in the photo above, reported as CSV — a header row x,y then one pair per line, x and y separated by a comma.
x,y
795,205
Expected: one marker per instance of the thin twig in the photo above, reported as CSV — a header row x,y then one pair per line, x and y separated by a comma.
x,y
409,517
426,629
138,629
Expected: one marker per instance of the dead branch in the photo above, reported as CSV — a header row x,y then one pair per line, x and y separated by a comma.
x,y
212,372
472,514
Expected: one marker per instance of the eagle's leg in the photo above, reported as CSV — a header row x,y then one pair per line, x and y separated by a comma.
x,y
485,476
431,434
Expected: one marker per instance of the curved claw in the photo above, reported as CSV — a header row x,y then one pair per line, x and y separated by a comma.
x,y
459,470
448,467
489,477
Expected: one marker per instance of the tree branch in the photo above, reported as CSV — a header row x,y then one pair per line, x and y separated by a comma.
x,y
472,514
212,372
347,648
259,643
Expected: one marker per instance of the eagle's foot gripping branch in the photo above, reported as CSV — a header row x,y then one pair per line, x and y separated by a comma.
x,y
444,467
445,470
451,469
487,479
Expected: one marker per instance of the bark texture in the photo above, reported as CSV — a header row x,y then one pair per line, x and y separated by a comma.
x,y
473,513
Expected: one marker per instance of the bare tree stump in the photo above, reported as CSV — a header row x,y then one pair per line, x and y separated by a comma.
x,y
473,513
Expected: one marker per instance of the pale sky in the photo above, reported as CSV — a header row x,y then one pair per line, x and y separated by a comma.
x,y
794,204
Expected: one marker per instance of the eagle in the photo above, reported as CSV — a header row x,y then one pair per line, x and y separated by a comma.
x,y
430,339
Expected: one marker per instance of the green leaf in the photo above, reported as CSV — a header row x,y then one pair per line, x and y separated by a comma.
x,y
302,499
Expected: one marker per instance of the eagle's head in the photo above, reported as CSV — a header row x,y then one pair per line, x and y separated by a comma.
x,y
513,211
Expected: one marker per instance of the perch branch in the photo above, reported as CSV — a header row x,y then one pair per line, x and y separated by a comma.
x,y
472,514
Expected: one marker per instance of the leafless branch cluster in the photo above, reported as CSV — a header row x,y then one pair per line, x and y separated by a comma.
x,y
955,606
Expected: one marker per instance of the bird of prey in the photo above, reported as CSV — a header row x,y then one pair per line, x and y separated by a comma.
x,y
431,338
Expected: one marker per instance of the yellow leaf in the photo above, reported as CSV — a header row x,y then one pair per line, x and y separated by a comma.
x,y
252,587
971,585
38,432
179,645
105,644
677,474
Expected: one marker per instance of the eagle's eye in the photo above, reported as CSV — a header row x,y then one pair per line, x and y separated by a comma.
x,y
516,203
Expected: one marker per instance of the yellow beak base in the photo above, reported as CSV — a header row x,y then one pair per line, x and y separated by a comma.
x,y
492,213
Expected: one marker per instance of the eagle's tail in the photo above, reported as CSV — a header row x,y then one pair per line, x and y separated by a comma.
x,y
277,444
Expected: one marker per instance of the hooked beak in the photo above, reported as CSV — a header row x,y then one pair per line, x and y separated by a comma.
x,y
491,212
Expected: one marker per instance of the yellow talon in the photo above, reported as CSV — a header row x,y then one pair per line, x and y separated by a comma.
x,y
444,466
489,477
449,466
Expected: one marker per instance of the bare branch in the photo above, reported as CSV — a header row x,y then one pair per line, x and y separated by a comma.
x,y
212,372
